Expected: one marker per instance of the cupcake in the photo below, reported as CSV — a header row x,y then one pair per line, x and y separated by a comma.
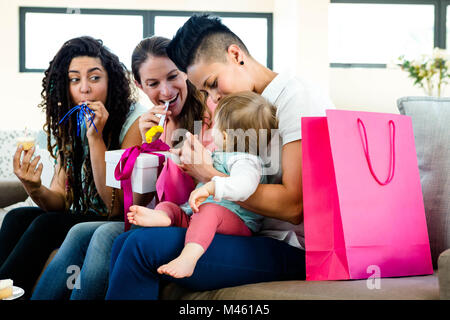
x,y
26,142
6,288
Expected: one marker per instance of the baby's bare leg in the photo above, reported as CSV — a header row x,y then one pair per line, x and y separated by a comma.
x,y
145,217
184,264
201,230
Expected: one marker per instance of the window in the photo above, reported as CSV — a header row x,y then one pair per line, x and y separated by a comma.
x,y
255,37
44,30
371,33
447,26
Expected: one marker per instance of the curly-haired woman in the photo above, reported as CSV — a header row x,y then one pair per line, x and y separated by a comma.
x,y
83,71
88,245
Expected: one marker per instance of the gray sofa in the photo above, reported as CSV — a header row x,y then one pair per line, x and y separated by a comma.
x,y
429,117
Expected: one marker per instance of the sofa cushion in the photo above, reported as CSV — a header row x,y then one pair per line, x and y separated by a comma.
x,y
430,119
11,192
405,288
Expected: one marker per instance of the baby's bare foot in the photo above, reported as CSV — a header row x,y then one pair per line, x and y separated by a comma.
x,y
145,217
178,268
183,266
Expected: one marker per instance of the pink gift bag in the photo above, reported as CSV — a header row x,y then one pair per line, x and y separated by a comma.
x,y
363,206
174,184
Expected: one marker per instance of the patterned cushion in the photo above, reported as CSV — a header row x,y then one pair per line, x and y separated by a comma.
x,y
430,118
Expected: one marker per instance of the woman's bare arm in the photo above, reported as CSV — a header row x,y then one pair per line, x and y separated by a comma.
x,y
282,201
54,197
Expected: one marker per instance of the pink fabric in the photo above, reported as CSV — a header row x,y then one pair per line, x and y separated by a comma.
x,y
353,223
203,225
173,184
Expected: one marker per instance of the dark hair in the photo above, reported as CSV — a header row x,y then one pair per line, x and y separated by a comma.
x,y
153,46
202,36
194,107
56,101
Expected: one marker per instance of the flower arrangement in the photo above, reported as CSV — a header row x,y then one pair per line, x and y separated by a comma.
x,y
429,73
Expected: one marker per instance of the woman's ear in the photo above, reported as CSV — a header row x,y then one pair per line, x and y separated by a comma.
x,y
138,84
235,54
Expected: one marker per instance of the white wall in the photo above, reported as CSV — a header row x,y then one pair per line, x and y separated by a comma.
x,y
301,38
371,89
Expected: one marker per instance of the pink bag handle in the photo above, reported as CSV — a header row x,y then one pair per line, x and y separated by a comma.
x,y
392,151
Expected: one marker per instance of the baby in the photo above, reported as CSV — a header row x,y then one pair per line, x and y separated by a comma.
x,y
211,207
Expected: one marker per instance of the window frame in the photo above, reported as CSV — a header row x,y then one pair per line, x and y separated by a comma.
x,y
440,16
148,24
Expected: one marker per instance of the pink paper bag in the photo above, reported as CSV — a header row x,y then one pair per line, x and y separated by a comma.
x,y
174,184
363,205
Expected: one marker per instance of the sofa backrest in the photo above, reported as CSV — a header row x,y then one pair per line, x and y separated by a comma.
x,y
431,121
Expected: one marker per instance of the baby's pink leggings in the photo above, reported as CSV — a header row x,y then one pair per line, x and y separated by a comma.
x,y
202,226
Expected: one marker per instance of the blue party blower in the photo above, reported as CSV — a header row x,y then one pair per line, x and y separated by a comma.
x,y
83,112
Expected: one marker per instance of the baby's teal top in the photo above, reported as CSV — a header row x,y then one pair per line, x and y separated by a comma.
x,y
220,162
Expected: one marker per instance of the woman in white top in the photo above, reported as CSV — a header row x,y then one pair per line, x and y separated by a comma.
x,y
218,63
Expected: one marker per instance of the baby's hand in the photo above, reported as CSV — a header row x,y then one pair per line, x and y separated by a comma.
x,y
201,194
197,197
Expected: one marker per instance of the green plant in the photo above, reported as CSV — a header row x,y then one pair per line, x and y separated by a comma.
x,y
429,73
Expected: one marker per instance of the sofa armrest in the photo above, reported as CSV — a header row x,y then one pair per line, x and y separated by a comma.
x,y
11,192
444,275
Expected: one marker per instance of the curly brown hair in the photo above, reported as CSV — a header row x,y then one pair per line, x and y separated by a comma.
x,y
56,102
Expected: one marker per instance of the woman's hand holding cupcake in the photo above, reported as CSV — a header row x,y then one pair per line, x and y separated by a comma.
x,y
28,170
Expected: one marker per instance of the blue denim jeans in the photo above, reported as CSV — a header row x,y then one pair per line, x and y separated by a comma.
x,y
80,269
229,261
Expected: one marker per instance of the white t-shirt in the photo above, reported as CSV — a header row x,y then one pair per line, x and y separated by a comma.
x,y
294,98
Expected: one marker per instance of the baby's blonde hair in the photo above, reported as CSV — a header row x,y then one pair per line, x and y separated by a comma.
x,y
245,110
